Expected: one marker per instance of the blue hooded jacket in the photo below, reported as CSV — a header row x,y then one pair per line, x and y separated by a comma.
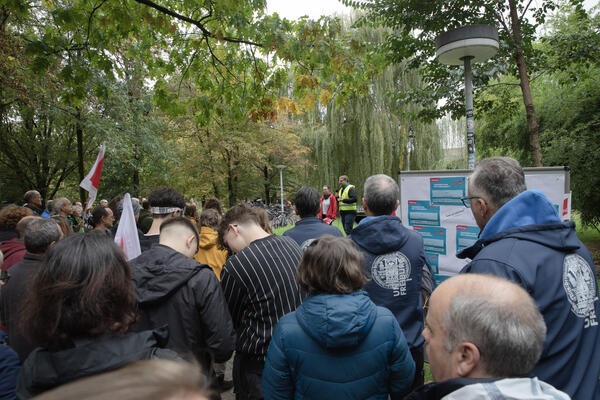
x,y
394,260
337,347
526,242
308,229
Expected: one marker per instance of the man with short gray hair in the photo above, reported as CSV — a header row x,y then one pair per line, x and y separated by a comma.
x,y
40,235
483,336
522,239
394,261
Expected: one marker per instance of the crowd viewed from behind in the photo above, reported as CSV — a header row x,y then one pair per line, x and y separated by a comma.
x,y
306,314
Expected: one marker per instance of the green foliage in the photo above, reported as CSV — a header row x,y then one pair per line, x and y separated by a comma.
x,y
568,104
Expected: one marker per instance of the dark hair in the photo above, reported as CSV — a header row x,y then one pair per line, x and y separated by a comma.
x,y
98,213
500,178
113,204
213,203
39,234
190,210
307,202
181,221
240,213
331,265
381,194
12,214
166,197
210,218
23,224
146,205
83,290
63,223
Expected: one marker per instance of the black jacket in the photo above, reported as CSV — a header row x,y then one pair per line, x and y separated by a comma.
x,y
21,276
177,291
44,370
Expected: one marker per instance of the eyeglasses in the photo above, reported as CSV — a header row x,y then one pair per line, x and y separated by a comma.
x,y
467,200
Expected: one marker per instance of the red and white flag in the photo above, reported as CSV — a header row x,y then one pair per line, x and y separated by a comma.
x,y
92,180
127,233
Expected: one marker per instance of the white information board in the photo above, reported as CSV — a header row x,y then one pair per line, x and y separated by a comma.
x,y
430,204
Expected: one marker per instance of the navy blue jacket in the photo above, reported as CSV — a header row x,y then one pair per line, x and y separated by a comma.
x,y
9,370
394,260
526,242
337,347
308,229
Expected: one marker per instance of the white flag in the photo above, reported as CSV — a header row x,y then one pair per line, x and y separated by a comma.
x,y
92,180
127,233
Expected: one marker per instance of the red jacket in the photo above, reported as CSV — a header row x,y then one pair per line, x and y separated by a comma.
x,y
14,250
331,211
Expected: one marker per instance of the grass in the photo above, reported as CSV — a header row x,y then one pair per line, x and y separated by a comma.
x,y
279,231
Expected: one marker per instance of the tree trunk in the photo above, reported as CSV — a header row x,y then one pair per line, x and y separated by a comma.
x,y
136,173
80,169
532,125
215,188
267,184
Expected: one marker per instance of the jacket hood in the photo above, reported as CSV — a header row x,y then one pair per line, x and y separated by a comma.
x,y
208,238
160,271
527,208
381,235
337,321
529,216
46,369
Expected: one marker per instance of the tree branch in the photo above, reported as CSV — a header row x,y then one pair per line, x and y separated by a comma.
x,y
197,23
525,10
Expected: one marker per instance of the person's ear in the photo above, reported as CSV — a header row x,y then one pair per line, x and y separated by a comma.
x,y
468,357
296,210
189,241
364,202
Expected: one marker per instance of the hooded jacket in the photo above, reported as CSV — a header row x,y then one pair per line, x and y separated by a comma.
x,y
44,370
208,252
525,242
394,260
174,290
308,229
488,389
337,347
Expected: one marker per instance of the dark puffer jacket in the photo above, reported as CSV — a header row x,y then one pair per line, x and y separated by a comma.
x,y
177,291
44,370
337,347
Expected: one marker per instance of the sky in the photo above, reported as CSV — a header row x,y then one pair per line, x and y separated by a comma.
x,y
294,9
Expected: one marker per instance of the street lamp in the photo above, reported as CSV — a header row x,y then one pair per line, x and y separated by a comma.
x,y
410,145
281,167
474,43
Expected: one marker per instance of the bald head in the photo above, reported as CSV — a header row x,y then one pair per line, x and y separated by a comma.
x,y
485,326
180,234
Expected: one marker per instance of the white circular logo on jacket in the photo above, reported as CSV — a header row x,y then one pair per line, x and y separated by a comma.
x,y
578,281
391,271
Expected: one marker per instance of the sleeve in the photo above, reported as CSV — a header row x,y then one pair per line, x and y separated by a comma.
x,y
276,379
216,320
9,372
427,283
402,365
234,293
332,212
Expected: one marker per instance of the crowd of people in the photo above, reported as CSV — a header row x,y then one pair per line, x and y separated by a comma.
x,y
308,314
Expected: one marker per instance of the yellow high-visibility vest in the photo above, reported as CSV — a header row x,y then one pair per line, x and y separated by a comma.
x,y
343,194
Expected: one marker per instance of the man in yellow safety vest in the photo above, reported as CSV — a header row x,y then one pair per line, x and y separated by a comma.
x,y
346,197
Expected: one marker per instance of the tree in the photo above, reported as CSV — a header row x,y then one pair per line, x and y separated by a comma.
x,y
417,23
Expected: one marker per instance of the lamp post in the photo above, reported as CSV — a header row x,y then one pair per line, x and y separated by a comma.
x,y
474,43
410,145
281,167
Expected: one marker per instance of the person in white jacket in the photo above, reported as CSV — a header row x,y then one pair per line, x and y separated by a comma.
x,y
483,336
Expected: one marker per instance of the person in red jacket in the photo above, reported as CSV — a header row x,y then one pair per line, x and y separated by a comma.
x,y
328,207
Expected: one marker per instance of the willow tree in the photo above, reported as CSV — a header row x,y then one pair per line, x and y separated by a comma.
x,y
361,130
